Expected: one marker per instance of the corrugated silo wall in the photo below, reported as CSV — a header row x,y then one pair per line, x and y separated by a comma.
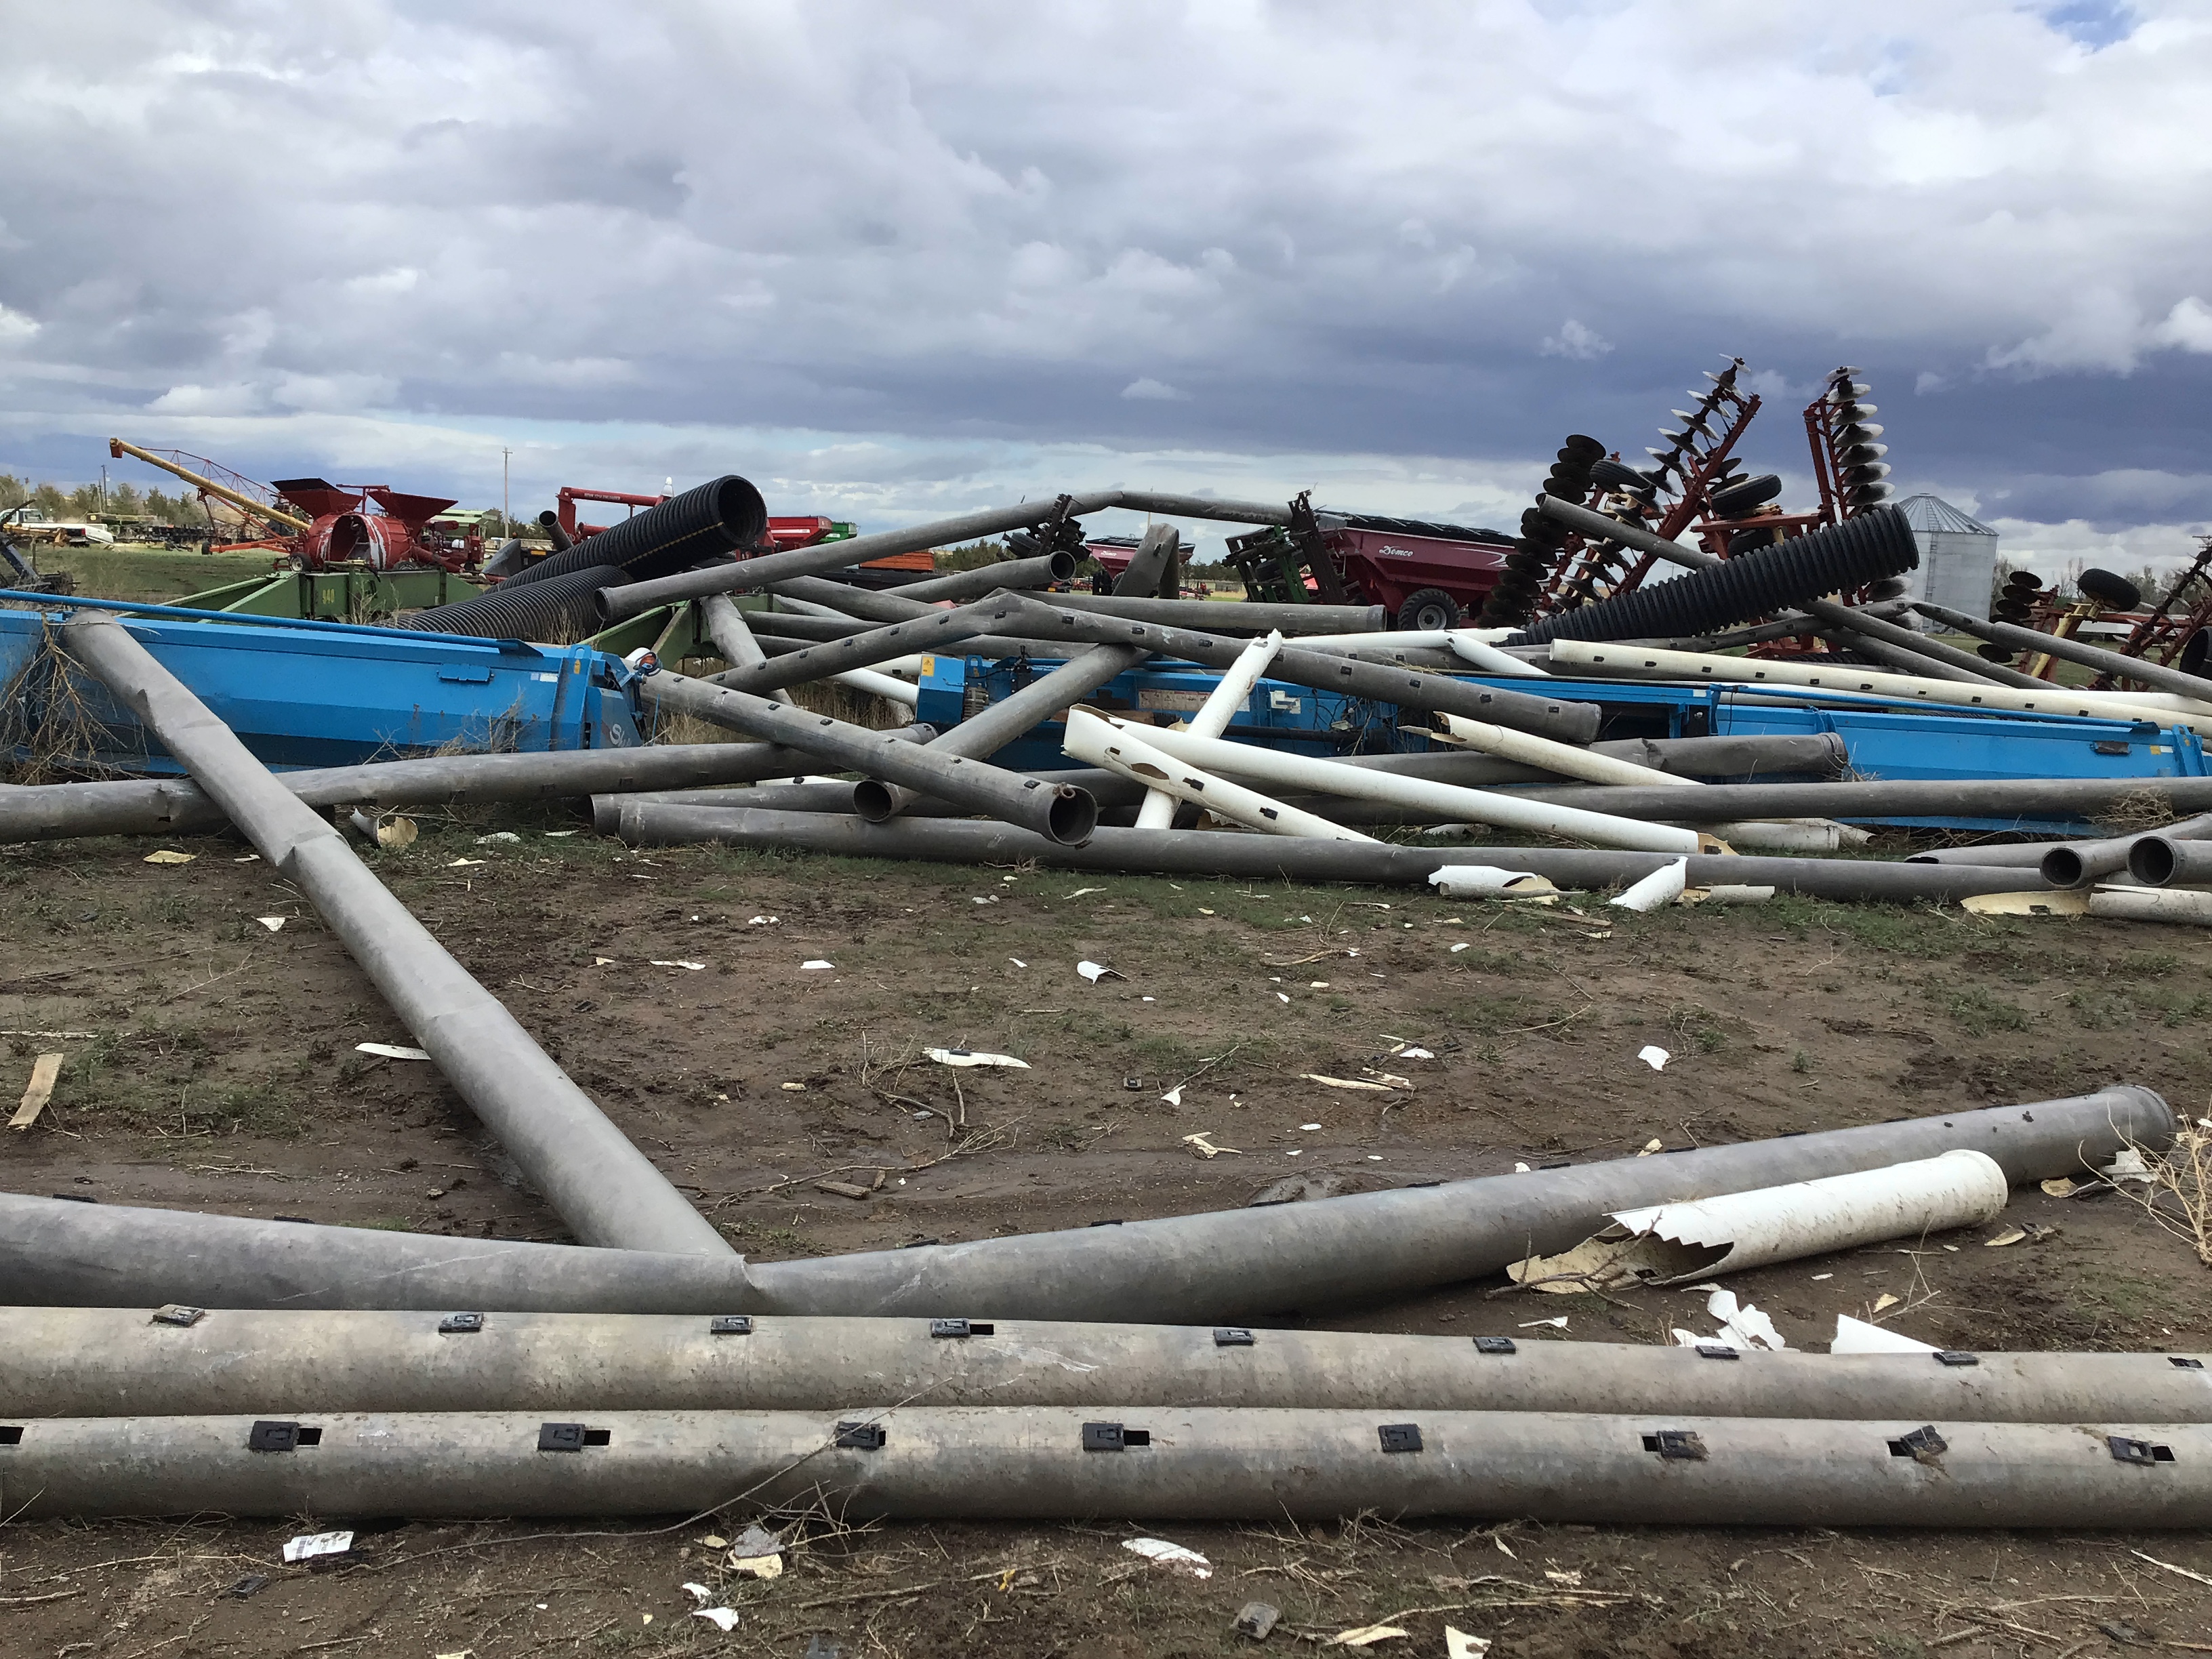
x,y
1956,568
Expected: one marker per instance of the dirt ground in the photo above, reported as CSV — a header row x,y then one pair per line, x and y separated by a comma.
x,y
211,1064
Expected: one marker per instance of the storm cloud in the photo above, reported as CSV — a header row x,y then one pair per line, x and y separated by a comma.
x,y
891,263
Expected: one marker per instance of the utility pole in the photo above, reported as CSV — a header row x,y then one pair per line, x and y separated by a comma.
x,y
506,520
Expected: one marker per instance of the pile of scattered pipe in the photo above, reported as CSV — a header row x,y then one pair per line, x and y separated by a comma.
x,y
161,1361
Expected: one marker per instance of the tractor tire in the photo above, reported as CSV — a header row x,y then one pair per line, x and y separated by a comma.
x,y
2113,592
1428,609
1735,499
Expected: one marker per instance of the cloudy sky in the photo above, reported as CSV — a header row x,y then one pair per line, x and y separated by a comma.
x,y
890,264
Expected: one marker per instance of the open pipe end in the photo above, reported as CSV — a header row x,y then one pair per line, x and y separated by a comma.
x,y
2152,860
607,602
2063,868
1063,565
873,800
1073,816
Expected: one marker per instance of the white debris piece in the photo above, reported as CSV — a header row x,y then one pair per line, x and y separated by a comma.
x,y
1653,1056
309,1545
274,924
1857,1336
815,966
1094,971
1161,1552
695,967
1662,886
1673,1244
971,1057
1742,1326
722,1619
390,1051
1488,881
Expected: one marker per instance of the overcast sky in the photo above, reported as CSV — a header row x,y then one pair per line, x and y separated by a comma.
x,y
889,264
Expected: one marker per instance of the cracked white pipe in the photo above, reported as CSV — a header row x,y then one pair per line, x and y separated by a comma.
x,y
1475,805
1120,751
1222,705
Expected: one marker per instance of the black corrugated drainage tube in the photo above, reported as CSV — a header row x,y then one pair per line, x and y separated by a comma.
x,y
1186,1269
1159,1463
1752,584
606,1189
556,610
116,1362
711,520
170,806
1057,813
1223,853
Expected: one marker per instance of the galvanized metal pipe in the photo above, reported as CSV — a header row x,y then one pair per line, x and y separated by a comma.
x,y
1043,571
2164,859
982,735
173,807
932,632
2194,688
1153,563
1197,852
1183,1464
606,1190
733,637
1193,1269
1062,814
116,1362
1242,616
752,575
1550,717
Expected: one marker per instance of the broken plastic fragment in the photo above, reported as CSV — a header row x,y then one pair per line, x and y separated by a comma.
x,y
1203,1145
1857,1336
1080,892
1096,971
694,966
1558,1324
722,1619
815,966
1671,1243
1662,886
274,924
497,838
1344,1082
390,1051
763,922
1366,1636
969,1057
1458,1645
309,1545
1161,1552
1174,1096
2128,1166
166,857
1653,1056
1488,881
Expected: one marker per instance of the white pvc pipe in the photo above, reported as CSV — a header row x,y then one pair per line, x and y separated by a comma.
x,y
1781,834
1229,695
1563,758
2189,906
1117,748
1331,777
880,684
1669,1243
1648,663
1488,658
1662,887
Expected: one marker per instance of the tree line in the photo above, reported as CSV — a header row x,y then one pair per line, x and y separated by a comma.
x,y
85,502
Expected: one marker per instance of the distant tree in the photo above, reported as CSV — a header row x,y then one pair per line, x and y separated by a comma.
x,y
51,502
970,555
125,498
84,500
13,492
